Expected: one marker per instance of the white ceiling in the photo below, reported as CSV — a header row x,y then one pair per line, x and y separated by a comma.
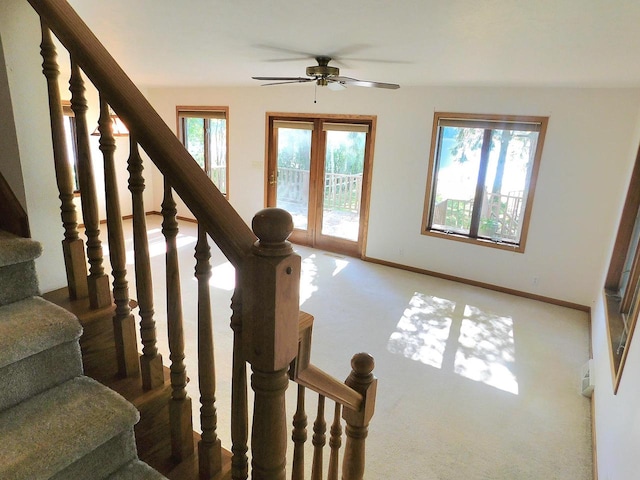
x,y
410,42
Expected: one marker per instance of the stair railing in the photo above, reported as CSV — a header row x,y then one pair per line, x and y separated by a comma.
x,y
266,316
354,402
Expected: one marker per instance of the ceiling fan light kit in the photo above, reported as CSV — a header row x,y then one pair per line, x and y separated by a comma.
x,y
325,75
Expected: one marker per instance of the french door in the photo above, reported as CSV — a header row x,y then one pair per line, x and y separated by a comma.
x,y
319,169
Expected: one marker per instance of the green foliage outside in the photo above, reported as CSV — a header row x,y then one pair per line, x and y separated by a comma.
x,y
345,150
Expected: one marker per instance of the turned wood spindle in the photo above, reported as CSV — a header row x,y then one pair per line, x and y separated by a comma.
x,y
72,245
98,282
152,370
209,448
299,436
319,440
124,325
180,403
335,442
239,405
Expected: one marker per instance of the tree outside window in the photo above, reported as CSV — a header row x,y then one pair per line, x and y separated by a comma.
x,y
482,176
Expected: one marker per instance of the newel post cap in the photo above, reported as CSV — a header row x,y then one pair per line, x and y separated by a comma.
x,y
272,226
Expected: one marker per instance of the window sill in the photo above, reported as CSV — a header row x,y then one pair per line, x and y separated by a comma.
x,y
475,241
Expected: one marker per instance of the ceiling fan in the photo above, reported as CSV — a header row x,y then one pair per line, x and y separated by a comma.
x,y
325,75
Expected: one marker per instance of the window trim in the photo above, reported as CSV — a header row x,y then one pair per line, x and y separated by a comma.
x,y
217,112
495,121
618,306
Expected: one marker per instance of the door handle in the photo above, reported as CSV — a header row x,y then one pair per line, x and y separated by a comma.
x,y
272,179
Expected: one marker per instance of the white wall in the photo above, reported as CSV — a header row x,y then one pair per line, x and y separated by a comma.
x,y
20,33
9,157
584,164
20,30
617,417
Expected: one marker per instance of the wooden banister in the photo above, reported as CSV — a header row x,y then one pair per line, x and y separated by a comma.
x,y
221,221
265,304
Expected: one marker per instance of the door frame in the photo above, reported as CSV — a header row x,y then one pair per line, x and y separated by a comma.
x,y
313,235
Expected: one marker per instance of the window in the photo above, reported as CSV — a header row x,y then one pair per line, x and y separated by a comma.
x,y
203,131
70,139
482,172
622,284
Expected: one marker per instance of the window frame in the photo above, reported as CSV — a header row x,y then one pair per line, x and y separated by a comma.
x,y
205,112
624,305
496,122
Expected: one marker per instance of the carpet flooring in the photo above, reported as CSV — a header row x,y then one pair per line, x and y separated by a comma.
x,y
473,384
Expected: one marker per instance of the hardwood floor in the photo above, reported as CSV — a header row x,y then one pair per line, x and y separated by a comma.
x,y
152,431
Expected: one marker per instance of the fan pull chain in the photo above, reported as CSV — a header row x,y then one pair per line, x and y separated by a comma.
x,y
315,92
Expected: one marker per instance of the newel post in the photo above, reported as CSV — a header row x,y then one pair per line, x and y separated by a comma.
x,y
362,380
270,336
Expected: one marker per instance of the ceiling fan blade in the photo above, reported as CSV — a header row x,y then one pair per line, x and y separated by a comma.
x,y
300,80
335,85
291,79
365,83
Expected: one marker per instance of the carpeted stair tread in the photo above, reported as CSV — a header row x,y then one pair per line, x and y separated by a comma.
x,y
33,325
50,431
136,470
15,249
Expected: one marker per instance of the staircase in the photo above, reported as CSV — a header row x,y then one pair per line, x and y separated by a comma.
x,y
55,423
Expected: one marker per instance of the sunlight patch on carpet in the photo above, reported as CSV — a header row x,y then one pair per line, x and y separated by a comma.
x,y
423,330
486,350
459,338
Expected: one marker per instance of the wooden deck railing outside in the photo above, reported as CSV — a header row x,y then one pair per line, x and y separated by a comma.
x,y
502,214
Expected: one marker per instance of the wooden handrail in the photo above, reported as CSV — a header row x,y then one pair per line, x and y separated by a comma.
x,y
221,221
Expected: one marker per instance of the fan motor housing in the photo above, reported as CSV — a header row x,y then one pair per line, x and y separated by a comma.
x,y
322,71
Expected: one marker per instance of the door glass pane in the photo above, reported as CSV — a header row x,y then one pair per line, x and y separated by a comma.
x,y
506,184
218,152
194,138
456,178
294,157
343,168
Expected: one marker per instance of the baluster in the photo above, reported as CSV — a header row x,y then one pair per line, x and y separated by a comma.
x,y
239,406
362,380
98,282
335,442
319,440
299,436
209,449
124,326
270,336
72,245
180,403
152,370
